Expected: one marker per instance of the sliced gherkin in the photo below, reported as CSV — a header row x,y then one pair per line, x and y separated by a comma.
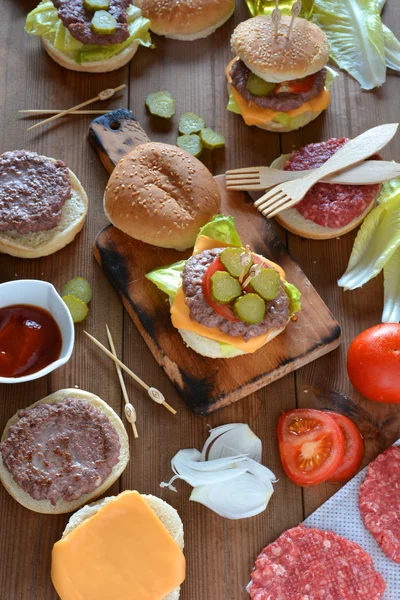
x,y
211,139
103,23
230,258
190,123
78,287
250,308
161,104
190,143
78,309
224,288
259,87
94,5
266,284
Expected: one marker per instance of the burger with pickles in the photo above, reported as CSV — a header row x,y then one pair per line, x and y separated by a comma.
x,y
279,82
225,299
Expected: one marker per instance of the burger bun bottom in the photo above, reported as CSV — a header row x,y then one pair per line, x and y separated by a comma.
x,y
294,222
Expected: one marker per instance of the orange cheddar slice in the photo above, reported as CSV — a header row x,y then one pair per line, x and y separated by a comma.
x,y
122,551
255,115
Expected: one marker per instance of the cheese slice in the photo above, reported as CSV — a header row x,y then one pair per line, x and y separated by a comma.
x,y
256,115
180,313
123,551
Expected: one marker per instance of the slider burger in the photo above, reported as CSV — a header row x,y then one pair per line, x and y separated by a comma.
x,y
42,204
279,83
62,452
226,300
126,546
95,36
327,210
161,195
186,20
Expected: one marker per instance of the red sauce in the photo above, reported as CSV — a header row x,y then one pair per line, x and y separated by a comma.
x,y
30,339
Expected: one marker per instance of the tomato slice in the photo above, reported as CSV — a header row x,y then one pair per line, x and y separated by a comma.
x,y
221,309
353,448
301,86
311,445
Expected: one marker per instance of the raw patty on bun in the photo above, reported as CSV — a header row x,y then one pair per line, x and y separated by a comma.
x,y
161,195
276,83
186,21
327,210
63,451
64,27
47,214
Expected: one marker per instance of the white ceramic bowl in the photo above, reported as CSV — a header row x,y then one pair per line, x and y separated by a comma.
x,y
44,295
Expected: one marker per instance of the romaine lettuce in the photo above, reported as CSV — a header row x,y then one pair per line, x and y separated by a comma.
x,y
168,279
222,228
294,298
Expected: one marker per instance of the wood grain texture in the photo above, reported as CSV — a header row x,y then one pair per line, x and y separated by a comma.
x,y
219,553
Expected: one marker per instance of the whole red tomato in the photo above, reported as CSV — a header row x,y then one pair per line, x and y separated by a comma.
x,y
373,363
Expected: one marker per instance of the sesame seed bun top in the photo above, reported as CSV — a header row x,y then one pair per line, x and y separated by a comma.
x,y
161,195
278,59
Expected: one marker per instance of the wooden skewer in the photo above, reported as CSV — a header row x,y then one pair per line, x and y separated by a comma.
x,y
56,111
154,394
132,411
276,18
296,9
104,95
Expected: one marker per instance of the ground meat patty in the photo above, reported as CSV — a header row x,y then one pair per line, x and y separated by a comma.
x,y
282,101
310,564
330,205
379,501
33,190
77,20
277,310
61,451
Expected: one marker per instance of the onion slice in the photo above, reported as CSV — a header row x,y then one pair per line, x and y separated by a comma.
x,y
235,438
239,498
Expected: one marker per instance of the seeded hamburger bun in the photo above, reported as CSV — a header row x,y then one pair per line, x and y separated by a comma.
x,y
293,221
279,59
186,21
97,66
167,515
161,195
43,243
62,506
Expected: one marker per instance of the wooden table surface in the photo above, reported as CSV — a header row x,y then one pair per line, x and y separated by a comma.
x,y
220,553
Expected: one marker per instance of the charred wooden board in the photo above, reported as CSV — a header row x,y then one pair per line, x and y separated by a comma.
x,y
205,384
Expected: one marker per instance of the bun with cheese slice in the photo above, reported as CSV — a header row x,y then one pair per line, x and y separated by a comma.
x,y
125,546
220,307
279,83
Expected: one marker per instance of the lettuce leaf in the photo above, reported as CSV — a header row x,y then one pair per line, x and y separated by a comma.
x,y
391,279
392,49
355,33
168,279
294,298
44,21
222,228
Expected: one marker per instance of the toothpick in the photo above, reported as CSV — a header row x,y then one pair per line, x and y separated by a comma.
x,y
254,271
57,111
130,412
245,260
276,17
104,95
296,9
154,394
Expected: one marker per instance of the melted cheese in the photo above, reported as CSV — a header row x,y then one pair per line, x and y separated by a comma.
x,y
180,313
255,115
122,551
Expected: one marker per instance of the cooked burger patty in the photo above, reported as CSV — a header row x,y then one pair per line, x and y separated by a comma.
x,y
61,451
33,190
77,20
282,101
276,314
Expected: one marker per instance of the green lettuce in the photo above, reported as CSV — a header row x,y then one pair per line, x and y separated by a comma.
x,y
168,279
294,298
391,288
222,228
44,21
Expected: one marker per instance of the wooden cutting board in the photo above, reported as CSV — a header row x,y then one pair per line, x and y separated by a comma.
x,y
205,384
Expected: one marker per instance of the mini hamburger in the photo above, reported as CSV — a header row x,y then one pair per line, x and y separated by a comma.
x,y
126,546
42,204
226,300
63,451
279,83
95,36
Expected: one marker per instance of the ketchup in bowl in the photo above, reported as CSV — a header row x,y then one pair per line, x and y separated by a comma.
x,y
30,339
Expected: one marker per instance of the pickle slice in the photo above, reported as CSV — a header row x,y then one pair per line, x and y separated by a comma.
x,y
94,5
230,258
224,288
266,284
250,308
161,104
78,309
190,143
103,23
190,123
259,87
211,139
78,287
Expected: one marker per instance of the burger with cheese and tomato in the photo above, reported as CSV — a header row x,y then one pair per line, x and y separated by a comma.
x,y
279,83
226,300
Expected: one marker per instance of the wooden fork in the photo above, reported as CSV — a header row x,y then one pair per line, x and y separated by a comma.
x,y
286,195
